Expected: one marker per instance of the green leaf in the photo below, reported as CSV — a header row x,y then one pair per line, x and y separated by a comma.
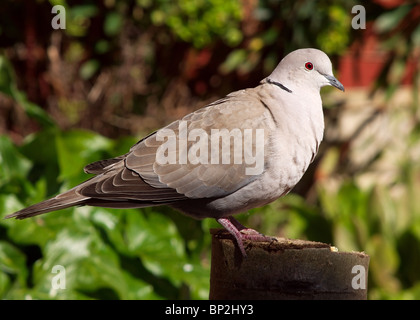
x,y
13,270
102,46
90,268
234,60
8,87
113,23
33,110
89,68
84,11
12,261
6,76
76,149
12,163
389,20
152,234
415,36
5,284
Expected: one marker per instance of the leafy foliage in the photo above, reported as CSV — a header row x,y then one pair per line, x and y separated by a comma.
x,y
126,68
199,22
400,31
123,254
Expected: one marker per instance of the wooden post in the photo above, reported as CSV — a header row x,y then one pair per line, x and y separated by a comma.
x,y
285,269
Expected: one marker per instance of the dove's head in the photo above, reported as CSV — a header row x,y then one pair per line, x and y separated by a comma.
x,y
308,68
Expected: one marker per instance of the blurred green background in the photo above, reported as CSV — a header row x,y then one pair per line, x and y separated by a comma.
x,y
121,69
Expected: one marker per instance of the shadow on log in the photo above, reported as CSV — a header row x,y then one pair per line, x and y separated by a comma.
x,y
285,269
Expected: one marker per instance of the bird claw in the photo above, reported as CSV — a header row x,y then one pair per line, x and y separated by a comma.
x,y
242,233
253,235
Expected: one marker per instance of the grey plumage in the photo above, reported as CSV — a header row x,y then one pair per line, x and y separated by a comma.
x,y
286,106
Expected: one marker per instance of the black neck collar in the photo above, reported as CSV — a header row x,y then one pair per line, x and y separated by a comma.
x,y
278,84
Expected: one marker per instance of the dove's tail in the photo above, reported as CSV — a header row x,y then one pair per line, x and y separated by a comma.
x,y
64,200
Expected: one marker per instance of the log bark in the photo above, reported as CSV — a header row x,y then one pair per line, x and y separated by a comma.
x,y
285,269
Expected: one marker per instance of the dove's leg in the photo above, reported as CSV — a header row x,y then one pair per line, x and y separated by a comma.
x,y
241,232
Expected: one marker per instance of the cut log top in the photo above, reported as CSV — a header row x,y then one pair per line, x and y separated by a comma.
x,y
285,269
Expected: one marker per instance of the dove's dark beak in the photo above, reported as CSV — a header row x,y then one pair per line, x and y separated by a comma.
x,y
334,82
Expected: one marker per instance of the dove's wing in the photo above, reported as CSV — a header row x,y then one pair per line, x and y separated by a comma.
x,y
140,175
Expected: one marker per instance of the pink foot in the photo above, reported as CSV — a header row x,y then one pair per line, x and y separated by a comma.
x,y
242,233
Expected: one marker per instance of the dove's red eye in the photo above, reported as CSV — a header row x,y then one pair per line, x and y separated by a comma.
x,y
309,66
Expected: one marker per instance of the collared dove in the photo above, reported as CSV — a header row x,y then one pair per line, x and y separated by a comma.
x,y
276,130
